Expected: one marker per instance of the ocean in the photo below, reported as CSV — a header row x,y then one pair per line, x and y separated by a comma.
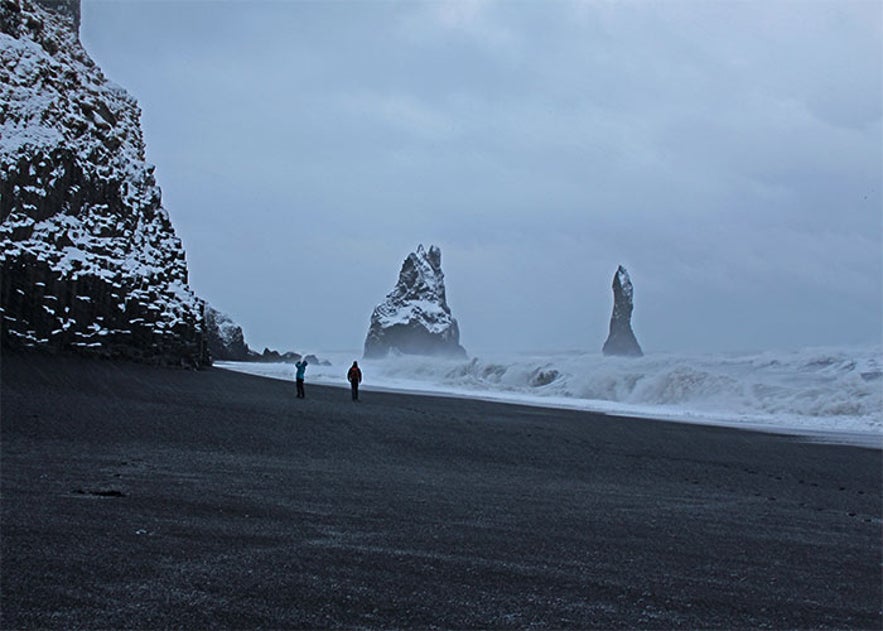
x,y
834,394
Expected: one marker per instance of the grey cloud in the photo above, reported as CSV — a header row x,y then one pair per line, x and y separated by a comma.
x,y
727,153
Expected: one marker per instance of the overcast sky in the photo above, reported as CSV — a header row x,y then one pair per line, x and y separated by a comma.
x,y
729,154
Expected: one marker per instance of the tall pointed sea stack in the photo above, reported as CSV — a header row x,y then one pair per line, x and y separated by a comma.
x,y
89,258
621,340
414,318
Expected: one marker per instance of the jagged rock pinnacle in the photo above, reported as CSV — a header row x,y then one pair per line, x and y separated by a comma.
x,y
414,318
621,340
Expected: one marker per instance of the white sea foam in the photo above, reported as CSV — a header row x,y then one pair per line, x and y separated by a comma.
x,y
834,393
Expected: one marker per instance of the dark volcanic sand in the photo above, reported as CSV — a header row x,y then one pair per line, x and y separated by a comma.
x,y
143,497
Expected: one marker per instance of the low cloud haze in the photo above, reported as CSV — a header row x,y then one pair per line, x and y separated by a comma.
x,y
728,154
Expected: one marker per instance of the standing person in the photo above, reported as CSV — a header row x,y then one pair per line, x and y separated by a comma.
x,y
299,378
355,377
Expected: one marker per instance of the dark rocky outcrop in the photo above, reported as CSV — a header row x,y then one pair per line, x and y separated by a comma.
x,y
414,318
621,340
226,342
312,359
224,337
90,261
271,356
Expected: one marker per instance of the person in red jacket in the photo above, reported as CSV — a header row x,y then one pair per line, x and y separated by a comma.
x,y
355,378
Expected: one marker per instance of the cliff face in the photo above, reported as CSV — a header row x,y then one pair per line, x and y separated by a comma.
x,y
90,260
621,340
414,318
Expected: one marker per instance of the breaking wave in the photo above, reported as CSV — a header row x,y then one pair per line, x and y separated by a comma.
x,y
818,390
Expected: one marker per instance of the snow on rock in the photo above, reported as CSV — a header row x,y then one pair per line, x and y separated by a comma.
x,y
414,318
82,225
224,337
621,340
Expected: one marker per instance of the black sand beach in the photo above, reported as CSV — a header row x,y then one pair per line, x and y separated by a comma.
x,y
144,498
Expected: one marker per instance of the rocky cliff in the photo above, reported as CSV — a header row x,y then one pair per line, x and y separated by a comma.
x,y
414,318
224,337
90,260
226,342
621,340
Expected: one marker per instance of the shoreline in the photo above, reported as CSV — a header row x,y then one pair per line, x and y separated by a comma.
x,y
155,498
855,438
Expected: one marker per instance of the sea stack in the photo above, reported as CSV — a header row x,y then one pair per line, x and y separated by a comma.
x,y
621,340
90,261
414,318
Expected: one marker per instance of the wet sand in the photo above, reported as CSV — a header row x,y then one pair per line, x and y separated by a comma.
x,y
143,497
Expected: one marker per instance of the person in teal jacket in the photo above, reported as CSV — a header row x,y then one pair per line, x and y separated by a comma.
x,y
299,378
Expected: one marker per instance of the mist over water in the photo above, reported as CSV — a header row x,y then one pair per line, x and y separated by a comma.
x,y
837,390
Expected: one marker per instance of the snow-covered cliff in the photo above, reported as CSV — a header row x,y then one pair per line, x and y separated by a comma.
x,y
90,260
621,340
414,318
